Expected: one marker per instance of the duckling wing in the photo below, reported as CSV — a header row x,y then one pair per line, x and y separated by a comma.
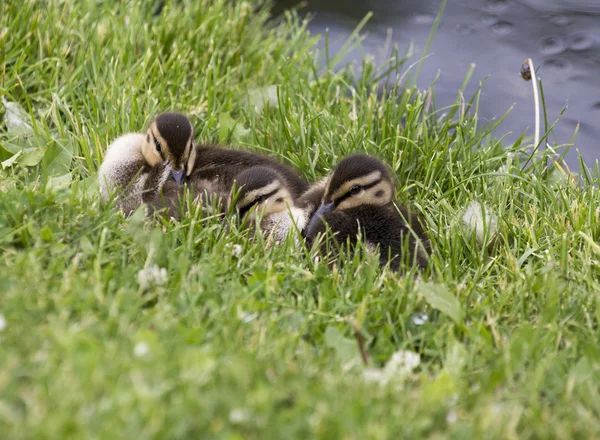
x,y
161,193
222,165
210,195
342,226
169,198
395,231
123,165
127,183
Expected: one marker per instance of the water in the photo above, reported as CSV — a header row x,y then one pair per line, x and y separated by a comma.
x,y
561,36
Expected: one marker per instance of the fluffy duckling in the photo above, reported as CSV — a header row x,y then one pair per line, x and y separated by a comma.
x,y
216,168
358,199
166,199
138,165
264,192
311,199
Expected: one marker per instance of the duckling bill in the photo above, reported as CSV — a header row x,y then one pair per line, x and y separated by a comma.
x,y
358,201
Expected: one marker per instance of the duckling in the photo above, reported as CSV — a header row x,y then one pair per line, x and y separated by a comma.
x,y
358,199
166,198
216,168
138,165
311,199
264,192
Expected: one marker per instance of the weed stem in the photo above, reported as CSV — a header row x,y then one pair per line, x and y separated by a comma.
x,y
536,99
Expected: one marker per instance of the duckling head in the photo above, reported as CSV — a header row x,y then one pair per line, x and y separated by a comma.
x,y
358,180
170,139
261,190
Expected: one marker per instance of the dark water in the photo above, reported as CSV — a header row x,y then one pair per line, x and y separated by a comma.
x,y
561,36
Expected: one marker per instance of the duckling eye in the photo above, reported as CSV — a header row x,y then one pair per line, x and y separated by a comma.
x,y
157,144
260,199
355,189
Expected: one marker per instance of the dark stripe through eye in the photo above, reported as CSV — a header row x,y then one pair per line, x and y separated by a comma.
x,y
353,191
159,149
244,210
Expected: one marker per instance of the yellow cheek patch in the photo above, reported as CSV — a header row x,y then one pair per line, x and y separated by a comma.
x,y
365,180
163,145
350,202
149,150
256,193
269,205
272,206
191,160
380,194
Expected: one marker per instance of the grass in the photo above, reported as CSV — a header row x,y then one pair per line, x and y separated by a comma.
x,y
239,341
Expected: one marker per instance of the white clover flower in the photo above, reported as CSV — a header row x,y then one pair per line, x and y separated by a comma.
x,y
451,417
141,349
152,276
402,362
3,323
238,415
374,375
236,250
480,219
400,365
420,318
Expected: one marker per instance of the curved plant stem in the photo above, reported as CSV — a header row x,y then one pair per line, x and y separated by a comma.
x,y
536,100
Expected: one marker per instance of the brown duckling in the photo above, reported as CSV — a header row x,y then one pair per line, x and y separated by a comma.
x,y
138,165
264,193
358,201
216,168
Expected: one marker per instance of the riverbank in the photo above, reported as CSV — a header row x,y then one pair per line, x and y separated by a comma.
x,y
496,36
